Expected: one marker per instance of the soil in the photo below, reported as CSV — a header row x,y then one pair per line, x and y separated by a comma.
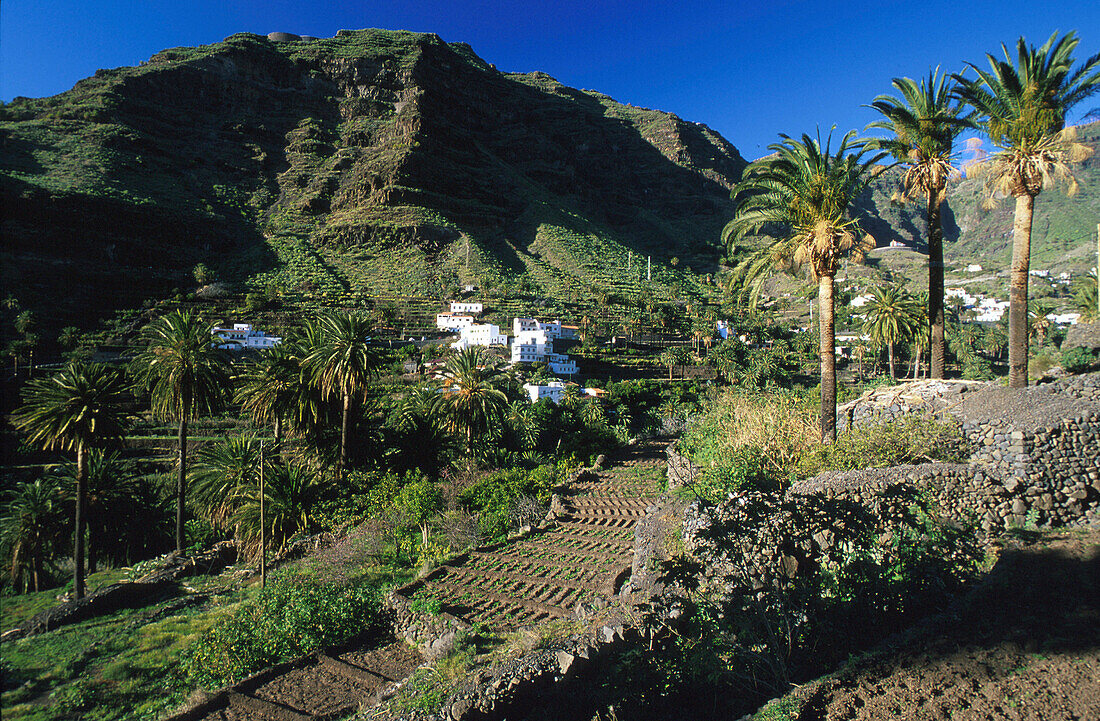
x,y
1025,644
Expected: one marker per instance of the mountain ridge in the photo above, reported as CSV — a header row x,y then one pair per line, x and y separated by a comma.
x,y
327,166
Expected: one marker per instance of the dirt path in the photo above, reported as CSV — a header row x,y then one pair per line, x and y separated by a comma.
x,y
545,575
1023,645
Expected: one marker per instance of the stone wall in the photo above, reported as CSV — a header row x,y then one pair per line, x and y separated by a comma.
x,y
1034,452
681,471
433,634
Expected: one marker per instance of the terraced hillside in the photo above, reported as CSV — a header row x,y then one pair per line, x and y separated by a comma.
x,y
336,170
546,574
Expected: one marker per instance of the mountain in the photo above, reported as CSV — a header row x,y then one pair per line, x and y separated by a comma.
x,y
370,164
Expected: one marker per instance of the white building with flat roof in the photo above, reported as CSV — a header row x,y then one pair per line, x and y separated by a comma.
x,y
553,328
536,392
483,334
242,336
462,306
453,322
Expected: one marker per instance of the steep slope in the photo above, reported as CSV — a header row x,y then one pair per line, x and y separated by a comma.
x,y
371,163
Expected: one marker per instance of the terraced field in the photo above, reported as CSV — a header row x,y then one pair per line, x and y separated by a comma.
x,y
547,574
539,577
325,687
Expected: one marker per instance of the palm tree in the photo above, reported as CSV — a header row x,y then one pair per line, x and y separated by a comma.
x,y
925,121
1085,301
804,192
342,363
186,377
470,405
270,389
891,317
80,408
223,473
291,494
32,529
1023,109
109,481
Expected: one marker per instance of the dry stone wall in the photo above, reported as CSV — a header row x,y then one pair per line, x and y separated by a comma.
x,y
1035,452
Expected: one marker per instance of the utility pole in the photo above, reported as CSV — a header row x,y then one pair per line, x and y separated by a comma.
x,y
263,523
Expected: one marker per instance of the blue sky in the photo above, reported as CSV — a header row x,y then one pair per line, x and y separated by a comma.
x,y
750,70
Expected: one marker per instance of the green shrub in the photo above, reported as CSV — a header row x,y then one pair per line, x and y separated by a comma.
x,y
290,617
909,439
1080,359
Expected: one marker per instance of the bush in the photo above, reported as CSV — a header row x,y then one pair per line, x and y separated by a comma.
x,y
743,442
1080,359
909,439
496,496
290,617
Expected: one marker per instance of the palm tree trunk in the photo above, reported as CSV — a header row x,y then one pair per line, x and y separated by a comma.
x,y
935,284
828,358
278,430
1017,292
890,355
344,421
93,564
78,535
181,481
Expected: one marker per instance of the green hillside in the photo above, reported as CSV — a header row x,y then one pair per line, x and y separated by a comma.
x,y
372,164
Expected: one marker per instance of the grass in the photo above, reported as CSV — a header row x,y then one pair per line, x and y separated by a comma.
x,y
121,666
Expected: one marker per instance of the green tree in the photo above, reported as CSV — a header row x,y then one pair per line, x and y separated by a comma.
x,y
186,378
270,390
891,316
924,123
342,362
469,404
291,495
109,484
420,501
32,530
803,194
81,407
223,474
1022,108
673,356
1084,299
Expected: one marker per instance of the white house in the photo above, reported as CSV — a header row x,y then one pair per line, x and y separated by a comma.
x,y
553,328
990,310
1064,318
860,300
973,268
453,322
551,390
531,346
559,363
461,306
723,328
1039,273
483,334
243,335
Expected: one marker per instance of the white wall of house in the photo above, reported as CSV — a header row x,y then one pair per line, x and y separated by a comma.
x,y
551,390
243,336
483,334
453,322
461,306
